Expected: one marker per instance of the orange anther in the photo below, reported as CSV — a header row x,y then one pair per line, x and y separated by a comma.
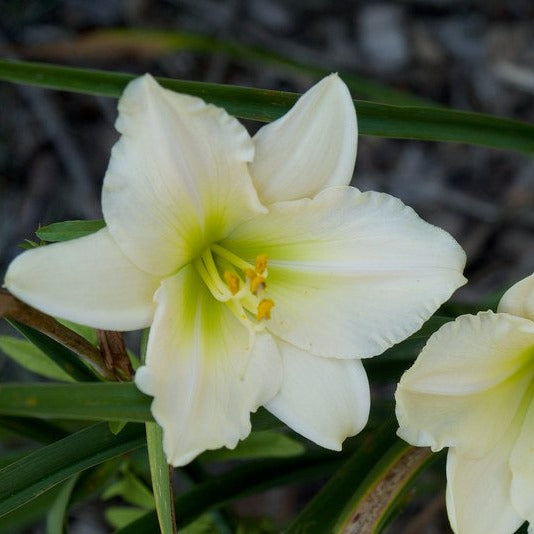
x,y
256,282
261,263
232,281
264,309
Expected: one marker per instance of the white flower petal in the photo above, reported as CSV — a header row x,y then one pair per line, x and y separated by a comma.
x,y
204,376
519,299
467,384
311,147
350,273
324,399
178,177
478,492
86,280
522,465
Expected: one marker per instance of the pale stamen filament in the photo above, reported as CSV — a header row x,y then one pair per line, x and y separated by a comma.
x,y
231,257
214,274
242,294
206,278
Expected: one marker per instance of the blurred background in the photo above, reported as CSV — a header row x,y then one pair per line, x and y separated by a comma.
x,y
471,55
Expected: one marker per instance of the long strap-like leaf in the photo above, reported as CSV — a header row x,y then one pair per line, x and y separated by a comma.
x,y
432,124
45,467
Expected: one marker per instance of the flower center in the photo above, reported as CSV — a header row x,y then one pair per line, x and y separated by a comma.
x,y
239,284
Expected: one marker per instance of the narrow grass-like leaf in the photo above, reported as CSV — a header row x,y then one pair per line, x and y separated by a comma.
x,y
263,444
121,516
159,473
57,515
30,357
249,478
63,357
28,514
157,42
86,332
15,310
42,469
83,401
132,490
374,501
322,513
264,420
32,428
102,401
67,230
90,485
402,122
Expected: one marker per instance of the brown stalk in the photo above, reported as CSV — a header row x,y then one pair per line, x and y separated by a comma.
x,y
12,308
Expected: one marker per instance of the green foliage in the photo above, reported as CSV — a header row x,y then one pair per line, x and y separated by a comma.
x,y
66,230
383,120
30,357
45,467
263,444
160,475
57,515
63,357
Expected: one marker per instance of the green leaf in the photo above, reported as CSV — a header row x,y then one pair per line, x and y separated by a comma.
x,y
67,230
376,499
99,401
402,122
28,514
121,516
63,357
322,513
205,524
89,486
263,444
57,515
159,473
251,477
30,357
86,332
264,420
47,466
83,401
32,428
132,491
116,426
158,42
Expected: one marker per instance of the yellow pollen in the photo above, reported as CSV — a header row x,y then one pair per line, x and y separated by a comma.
x,y
264,309
250,273
232,281
261,263
256,282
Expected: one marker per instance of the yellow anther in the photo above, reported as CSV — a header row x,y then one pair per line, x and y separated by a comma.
x,y
250,273
261,263
232,281
264,309
256,282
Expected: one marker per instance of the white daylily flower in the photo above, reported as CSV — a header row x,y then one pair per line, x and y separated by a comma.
x,y
264,276
472,389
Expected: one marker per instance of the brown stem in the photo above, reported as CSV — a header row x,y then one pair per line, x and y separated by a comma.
x,y
114,353
12,308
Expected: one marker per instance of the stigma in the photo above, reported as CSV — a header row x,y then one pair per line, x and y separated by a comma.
x,y
238,283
